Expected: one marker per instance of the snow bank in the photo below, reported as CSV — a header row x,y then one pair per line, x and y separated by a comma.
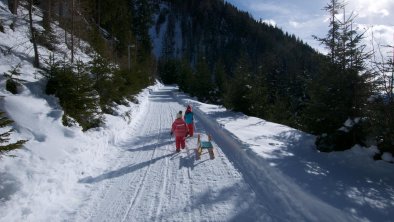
x,y
349,182
40,183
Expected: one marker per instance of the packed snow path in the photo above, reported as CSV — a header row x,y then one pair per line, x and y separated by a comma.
x,y
150,182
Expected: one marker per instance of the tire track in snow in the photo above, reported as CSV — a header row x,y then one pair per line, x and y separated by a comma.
x,y
137,193
164,185
156,205
114,192
165,177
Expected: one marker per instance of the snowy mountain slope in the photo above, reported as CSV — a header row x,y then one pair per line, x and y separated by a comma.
x,y
39,183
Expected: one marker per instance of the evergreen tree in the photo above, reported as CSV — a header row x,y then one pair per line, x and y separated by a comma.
x,y
380,110
203,87
186,76
258,96
5,145
102,73
220,32
47,37
1,26
333,41
220,81
337,95
168,71
168,43
116,19
74,88
238,88
12,79
142,21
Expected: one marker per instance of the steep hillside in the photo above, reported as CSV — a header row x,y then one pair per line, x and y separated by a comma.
x,y
220,54
217,31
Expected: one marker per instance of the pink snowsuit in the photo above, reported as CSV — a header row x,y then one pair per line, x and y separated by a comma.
x,y
189,119
180,129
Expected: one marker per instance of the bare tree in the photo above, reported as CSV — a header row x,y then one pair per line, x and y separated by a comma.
x,y
33,32
47,13
72,31
383,67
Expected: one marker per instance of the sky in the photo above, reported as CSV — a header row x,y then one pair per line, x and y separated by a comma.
x,y
305,18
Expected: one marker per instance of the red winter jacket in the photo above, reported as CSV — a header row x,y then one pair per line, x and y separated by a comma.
x,y
179,127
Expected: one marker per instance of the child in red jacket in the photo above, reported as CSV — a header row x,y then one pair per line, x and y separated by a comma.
x,y
179,128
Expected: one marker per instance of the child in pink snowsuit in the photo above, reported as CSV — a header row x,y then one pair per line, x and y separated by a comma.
x,y
189,119
179,128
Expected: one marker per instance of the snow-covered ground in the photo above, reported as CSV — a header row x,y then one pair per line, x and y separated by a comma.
x,y
128,170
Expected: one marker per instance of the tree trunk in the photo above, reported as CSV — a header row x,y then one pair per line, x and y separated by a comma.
x,y
72,31
47,14
36,62
13,6
99,13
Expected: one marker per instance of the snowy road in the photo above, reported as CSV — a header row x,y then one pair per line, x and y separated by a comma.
x,y
150,182
153,183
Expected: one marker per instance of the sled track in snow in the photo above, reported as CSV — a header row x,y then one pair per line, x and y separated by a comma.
x,y
137,193
157,209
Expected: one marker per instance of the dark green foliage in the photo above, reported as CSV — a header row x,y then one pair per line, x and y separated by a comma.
x,y
12,80
235,96
258,97
380,107
279,111
203,87
277,65
116,19
102,73
1,26
327,108
380,114
334,99
168,71
339,93
46,39
260,70
98,42
74,88
12,26
160,20
219,83
5,145
142,21
335,141
186,76
12,86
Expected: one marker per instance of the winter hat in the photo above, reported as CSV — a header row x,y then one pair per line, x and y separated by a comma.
x,y
179,115
189,108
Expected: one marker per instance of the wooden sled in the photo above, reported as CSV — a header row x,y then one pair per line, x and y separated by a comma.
x,y
204,145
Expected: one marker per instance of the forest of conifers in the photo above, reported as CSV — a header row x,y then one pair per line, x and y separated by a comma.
x,y
221,55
